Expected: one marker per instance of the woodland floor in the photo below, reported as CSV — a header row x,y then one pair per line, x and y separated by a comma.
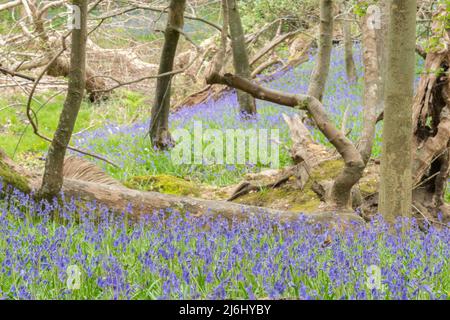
x,y
199,258
117,129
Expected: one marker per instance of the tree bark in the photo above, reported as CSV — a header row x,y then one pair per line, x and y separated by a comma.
x,y
53,175
396,184
247,105
159,125
372,88
431,123
320,73
10,5
350,67
382,36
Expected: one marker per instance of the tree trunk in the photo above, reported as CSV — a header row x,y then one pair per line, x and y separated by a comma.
x,y
431,124
159,125
241,63
321,69
396,184
350,67
382,36
53,175
372,87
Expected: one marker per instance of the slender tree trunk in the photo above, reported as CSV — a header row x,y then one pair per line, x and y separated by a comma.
x,y
382,36
350,67
159,126
372,88
374,60
219,60
321,69
240,58
53,175
396,182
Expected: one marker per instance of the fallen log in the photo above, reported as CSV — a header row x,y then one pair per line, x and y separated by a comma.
x,y
431,124
121,199
94,84
141,203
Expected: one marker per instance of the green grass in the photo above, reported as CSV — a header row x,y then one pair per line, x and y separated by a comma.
x,y
17,135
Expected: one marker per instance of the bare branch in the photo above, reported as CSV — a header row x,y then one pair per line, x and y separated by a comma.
x,y
10,4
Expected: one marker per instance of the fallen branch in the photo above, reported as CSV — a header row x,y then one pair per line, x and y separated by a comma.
x,y
16,74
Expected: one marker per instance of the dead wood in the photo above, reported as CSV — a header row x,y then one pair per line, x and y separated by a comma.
x,y
299,49
138,203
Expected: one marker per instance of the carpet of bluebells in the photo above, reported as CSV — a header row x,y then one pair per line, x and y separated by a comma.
x,y
129,146
172,256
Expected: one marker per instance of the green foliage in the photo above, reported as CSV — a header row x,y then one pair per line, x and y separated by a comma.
x,y
255,13
360,8
441,23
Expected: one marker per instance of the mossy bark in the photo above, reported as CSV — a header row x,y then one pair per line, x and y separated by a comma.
x,y
9,176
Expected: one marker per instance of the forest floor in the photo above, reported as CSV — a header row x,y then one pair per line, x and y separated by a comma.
x,y
199,258
117,129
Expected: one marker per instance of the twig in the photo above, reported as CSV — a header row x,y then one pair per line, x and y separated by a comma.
x,y
16,74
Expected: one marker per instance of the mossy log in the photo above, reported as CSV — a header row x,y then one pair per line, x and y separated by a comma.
x,y
10,175
121,199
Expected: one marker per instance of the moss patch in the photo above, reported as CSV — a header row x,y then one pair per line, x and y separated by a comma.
x,y
290,197
165,184
327,170
368,186
284,198
10,177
